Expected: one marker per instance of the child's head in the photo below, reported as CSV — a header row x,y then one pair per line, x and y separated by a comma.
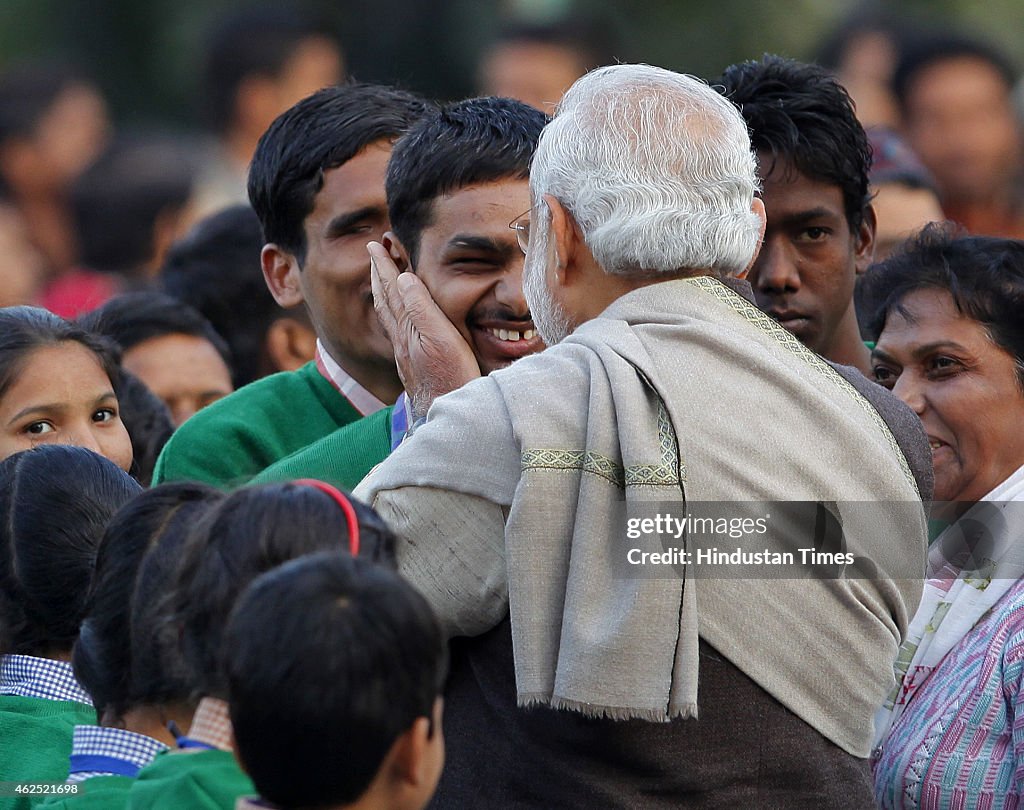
x,y
251,531
335,666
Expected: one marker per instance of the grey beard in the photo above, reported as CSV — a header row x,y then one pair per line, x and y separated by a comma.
x,y
549,317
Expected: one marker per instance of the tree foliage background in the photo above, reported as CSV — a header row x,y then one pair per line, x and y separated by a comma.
x,y
146,54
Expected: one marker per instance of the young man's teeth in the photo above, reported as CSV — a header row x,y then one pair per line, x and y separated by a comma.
x,y
514,334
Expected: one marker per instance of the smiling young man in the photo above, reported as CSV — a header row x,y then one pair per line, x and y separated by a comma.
x,y
317,185
813,160
454,184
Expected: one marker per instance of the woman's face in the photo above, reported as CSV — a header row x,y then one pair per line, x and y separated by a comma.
x,y
62,395
963,387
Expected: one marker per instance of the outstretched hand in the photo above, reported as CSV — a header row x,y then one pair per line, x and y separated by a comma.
x,y
433,357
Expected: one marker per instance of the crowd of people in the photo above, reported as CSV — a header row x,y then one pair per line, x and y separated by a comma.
x,y
323,449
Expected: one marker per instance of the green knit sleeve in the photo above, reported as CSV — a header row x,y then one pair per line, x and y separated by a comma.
x,y
342,458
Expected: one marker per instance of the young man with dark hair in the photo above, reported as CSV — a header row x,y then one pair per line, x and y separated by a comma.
x,y
361,660
956,97
454,184
258,63
317,185
813,161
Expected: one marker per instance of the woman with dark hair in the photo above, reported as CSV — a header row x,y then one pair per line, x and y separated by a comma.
x,y
120,658
946,313
54,504
248,533
57,384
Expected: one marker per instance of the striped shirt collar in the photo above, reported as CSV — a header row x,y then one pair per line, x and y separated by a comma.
x,y
28,676
211,724
100,751
343,382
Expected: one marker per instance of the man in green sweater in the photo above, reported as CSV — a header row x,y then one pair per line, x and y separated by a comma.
x,y
317,185
455,182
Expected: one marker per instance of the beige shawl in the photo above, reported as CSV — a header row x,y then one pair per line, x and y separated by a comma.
x,y
680,390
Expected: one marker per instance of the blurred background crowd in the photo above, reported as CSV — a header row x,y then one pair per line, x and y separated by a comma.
x,y
125,127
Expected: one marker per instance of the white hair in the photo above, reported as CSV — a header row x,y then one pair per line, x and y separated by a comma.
x,y
657,170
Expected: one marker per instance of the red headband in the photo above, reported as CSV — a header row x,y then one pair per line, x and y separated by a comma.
x,y
346,506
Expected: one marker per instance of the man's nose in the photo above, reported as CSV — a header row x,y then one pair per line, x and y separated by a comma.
x,y
775,269
508,290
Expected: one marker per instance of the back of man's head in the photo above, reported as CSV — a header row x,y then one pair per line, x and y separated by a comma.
x,y
215,268
330,661
127,198
799,114
656,169
250,43
321,132
479,140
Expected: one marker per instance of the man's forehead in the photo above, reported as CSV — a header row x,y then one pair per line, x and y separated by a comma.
x,y
784,185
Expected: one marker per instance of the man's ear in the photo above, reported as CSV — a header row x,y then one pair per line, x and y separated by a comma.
x,y
757,207
393,245
281,272
864,240
289,343
565,239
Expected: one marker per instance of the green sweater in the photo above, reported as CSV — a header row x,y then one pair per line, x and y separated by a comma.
x,y
97,793
343,458
35,742
236,437
204,780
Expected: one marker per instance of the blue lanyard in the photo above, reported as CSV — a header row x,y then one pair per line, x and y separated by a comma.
x,y
85,763
188,742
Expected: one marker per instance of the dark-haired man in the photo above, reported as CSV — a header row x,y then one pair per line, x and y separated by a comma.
x,y
454,184
813,159
317,185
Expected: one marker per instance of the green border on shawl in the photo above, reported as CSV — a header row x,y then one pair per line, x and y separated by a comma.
x,y
638,475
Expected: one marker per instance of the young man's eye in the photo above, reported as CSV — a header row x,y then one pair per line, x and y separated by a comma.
x,y
884,376
38,428
815,234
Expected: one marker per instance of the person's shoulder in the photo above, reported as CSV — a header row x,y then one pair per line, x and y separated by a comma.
x,y
902,422
206,446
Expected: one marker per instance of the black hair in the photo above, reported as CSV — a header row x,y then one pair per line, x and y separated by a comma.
x,y
148,422
321,132
135,317
251,42
931,47
215,269
24,329
105,655
800,114
28,91
330,659
116,201
479,140
984,275
250,532
55,501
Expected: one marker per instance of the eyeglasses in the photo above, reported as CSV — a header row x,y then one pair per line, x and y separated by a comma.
x,y
521,225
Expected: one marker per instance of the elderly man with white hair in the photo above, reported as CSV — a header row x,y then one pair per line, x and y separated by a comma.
x,y
578,678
